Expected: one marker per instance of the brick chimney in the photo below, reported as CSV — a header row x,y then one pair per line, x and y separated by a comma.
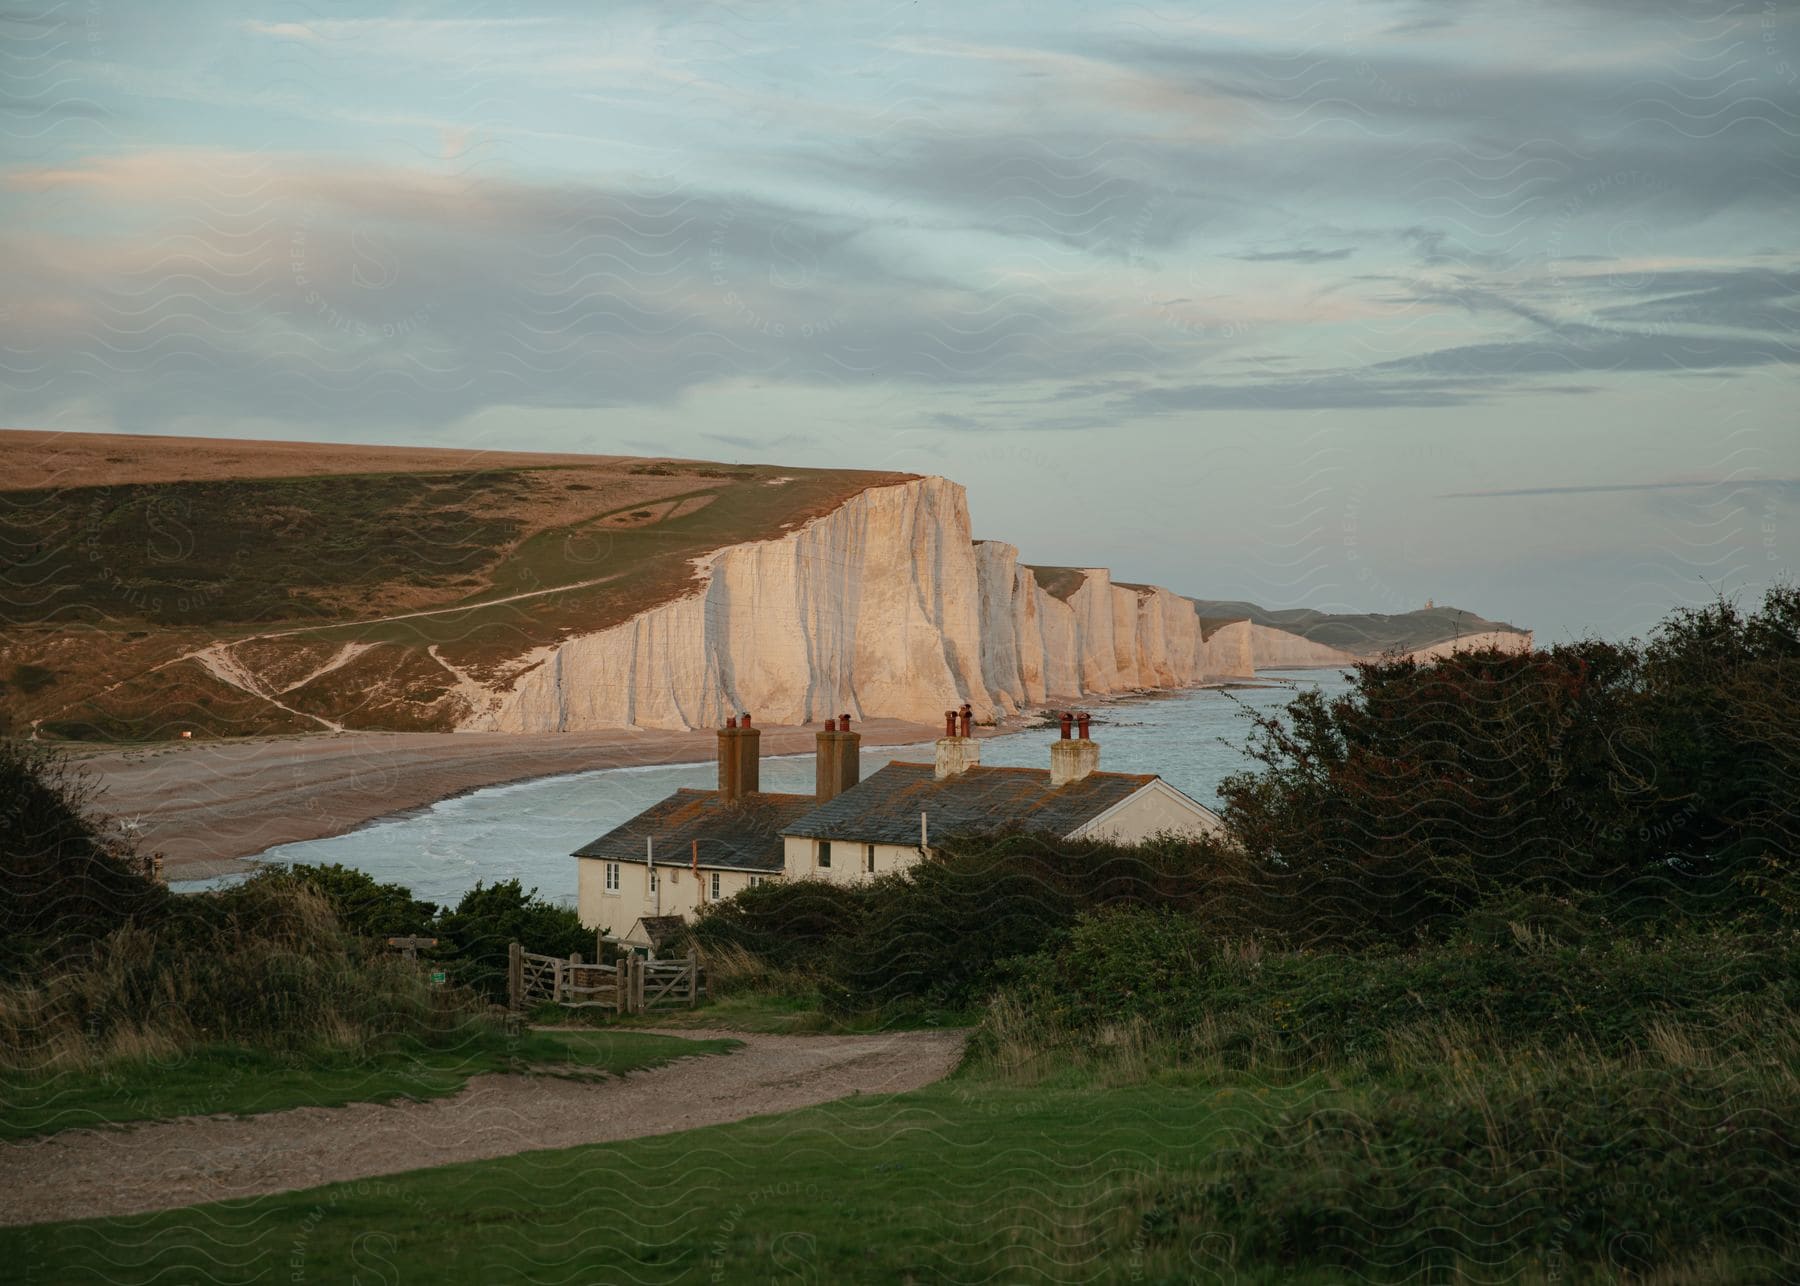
x,y
1071,759
749,748
957,754
838,759
731,781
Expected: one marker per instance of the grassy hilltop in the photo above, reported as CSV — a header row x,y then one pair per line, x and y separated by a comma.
x,y
355,585
1363,633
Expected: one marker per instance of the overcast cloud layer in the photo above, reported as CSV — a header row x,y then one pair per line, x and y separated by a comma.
x,y
1344,306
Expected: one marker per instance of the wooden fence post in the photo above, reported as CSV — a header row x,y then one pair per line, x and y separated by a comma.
x,y
515,977
599,946
622,984
693,978
637,987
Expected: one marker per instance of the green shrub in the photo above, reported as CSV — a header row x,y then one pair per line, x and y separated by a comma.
x,y
938,931
264,965
1248,1005
476,937
1628,1171
786,924
1119,965
363,905
65,883
1657,776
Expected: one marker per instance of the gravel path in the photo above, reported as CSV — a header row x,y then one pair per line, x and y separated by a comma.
x,y
80,1174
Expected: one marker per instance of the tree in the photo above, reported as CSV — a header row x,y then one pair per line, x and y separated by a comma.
x,y
65,879
1629,771
490,918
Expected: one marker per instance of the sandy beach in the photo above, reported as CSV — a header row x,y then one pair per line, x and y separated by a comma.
x,y
206,805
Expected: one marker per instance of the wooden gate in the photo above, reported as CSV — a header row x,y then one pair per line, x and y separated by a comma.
x,y
633,986
664,984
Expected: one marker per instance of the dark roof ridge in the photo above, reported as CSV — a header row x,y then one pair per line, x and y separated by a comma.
x,y
753,794
1025,768
885,806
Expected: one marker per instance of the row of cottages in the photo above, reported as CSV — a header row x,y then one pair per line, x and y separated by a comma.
x,y
698,846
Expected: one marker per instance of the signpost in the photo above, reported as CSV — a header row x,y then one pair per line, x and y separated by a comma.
x,y
409,947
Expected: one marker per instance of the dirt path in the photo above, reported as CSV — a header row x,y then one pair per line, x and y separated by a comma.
x,y
81,1174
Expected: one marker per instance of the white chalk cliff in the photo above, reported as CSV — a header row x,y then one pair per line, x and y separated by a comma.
x,y
883,607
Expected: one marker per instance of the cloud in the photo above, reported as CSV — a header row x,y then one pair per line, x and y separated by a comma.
x,y
292,288
1725,484
1064,208
1301,255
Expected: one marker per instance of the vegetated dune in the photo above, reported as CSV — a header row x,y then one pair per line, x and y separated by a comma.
x,y
252,588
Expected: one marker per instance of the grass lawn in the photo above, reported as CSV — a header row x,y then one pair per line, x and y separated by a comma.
x,y
236,1080
967,1180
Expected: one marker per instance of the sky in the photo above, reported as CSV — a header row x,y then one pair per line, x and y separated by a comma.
x,y
1346,306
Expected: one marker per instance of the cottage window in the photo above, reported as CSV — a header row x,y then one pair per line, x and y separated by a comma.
x,y
653,882
871,856
612,877
755,881
824,852
715,885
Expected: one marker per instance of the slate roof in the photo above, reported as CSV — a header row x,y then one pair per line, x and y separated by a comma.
x,y
884,808
742,836
659,929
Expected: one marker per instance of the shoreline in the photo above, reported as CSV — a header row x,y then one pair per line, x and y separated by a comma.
x,y
212,807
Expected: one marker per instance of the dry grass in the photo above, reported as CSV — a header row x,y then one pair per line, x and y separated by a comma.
x,y
298,549
732,971
43,459
284,977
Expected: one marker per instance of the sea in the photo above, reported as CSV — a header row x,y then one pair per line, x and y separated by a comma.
x,y
1194,738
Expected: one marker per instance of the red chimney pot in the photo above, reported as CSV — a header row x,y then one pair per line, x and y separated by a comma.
x,y
831,725
949,723
1081,721
843,723
745,717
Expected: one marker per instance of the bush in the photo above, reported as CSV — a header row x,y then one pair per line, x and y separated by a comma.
x,y
264,965
64,882
1118,966
1656,776
786,924
1250,1007
938,932
363,905
476,936
1627,1171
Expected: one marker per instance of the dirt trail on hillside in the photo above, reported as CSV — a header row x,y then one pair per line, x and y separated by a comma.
x,y
82,1174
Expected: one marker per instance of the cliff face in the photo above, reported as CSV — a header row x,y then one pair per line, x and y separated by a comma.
x,y
1278,650
1504,640
883,607
872,609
